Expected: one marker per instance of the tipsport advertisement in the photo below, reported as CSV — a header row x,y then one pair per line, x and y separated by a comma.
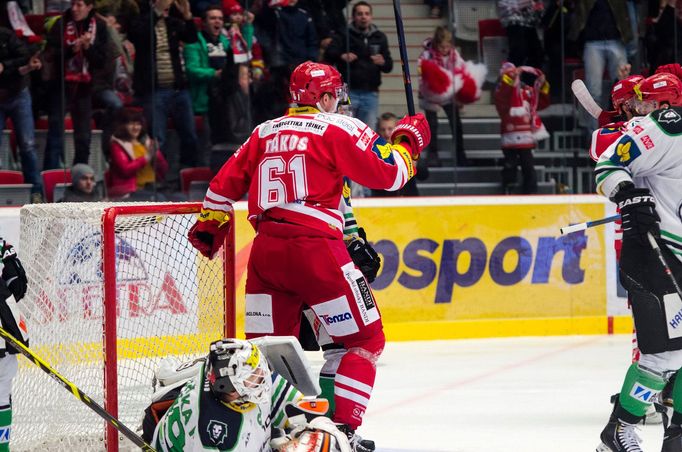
x,y
485,262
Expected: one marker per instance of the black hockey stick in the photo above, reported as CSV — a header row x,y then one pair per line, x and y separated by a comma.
x,y
666,267
403,57
73,389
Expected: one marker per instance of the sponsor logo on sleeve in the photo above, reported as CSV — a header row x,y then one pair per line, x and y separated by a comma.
x,y
365,139
626,151
637,129
669,116
647,142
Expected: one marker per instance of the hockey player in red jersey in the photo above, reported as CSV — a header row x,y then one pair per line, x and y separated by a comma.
x,y
292,168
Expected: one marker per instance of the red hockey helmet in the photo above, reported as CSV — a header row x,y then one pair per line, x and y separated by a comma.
x,y
624,91
310,81
656,90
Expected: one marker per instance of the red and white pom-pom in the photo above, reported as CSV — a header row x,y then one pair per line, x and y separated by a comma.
x,y
437,83
471,79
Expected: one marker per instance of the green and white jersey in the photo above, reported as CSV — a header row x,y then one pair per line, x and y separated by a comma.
x,y
650,153
197,421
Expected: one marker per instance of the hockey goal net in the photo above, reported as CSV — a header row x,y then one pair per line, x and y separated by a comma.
x,y
113,289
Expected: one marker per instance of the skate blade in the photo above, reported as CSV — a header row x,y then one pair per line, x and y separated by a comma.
x,y
604,448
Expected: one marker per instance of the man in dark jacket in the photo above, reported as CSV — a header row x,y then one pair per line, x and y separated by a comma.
x,y
77,45
288,37
159,79
15,100
362,63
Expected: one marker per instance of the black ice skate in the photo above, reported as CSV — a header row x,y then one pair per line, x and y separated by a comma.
x,y
672,439
619,436
357,444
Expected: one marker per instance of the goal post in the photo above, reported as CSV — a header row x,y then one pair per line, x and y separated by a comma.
x,y
113,289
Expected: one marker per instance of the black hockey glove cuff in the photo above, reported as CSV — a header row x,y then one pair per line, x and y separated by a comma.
x,y
638,211
13,272
364,256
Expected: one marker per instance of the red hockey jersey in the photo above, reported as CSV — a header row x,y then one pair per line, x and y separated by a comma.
x,y
292,168
602,138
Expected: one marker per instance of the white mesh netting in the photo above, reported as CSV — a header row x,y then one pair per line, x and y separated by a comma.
x,y
170,301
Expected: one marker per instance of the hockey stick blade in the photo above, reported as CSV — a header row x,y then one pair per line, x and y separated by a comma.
x,y
585,98
73,389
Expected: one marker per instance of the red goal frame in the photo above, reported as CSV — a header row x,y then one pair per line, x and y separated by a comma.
x,y
109,336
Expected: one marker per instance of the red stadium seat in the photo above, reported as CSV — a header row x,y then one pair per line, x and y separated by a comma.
x,y
188,175
11,177
52,178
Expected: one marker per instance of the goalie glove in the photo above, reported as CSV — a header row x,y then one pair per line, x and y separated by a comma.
x,y
320,435
413,131
209,232
13,272
364,256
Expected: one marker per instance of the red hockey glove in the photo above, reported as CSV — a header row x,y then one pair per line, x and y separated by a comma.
x,y
607,117
674,69
209,232
413,131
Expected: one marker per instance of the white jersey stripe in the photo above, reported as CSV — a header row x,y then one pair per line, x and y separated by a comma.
x,y
346,394
218,198
334,217
213,206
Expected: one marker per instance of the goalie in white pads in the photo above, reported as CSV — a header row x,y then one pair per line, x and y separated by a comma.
x,y
228,401
13,285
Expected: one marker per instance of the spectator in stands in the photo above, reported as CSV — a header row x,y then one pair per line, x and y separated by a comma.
x,y
16,62
447,81
104,95
362,62
205,61
605,27
661,43
245,46
136,163
519,95
83,187
288,37
555,23
521,19
159,78
436,8
328,18
80,40
387,122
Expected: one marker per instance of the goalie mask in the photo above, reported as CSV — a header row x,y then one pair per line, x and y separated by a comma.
x,y
310,81
657,90
238,366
